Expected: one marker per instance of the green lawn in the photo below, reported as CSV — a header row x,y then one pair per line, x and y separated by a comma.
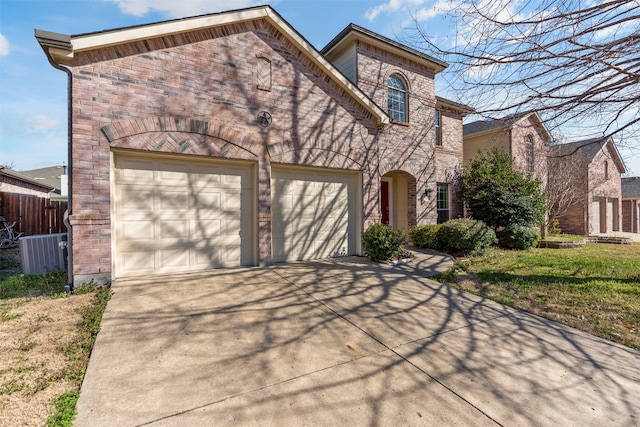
x,y
595,288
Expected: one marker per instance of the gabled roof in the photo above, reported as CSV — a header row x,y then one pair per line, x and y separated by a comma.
x,y
452,105
61,48
631,187
353,32
488,126
49,176
24,178
588,149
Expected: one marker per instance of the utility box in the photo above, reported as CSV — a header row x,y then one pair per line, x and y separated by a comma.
x,y
43,253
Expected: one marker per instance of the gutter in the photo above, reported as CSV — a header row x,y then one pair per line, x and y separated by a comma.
x,y
49,40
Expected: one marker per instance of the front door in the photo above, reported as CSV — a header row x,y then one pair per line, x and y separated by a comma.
x,y
384,201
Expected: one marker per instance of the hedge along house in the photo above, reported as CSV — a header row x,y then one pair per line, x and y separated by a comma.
x,y
227,140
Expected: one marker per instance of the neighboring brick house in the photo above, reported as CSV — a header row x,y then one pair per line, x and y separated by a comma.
x,y
15,182
53,176
227,139
593,167
524,137
631,204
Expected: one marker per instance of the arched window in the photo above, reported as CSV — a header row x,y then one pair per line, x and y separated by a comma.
x,y
528,142
397,102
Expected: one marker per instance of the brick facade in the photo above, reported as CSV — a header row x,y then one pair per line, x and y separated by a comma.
x,y
199,93
593,168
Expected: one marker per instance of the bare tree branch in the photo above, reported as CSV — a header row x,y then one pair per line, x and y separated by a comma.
x,y
577,64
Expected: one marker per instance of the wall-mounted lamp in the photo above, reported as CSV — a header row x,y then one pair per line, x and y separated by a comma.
x,y
426,195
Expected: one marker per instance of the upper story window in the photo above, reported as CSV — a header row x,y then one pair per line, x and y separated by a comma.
x,y
528,145
606,170
397,102
438,127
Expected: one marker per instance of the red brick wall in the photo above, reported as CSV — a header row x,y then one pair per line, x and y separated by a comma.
x,y
208,86
519,132
586,172
202,87
407,147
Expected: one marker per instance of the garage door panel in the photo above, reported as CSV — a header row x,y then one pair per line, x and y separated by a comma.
x,y
173,229
173,200
176,258
232,201
136,198
207,201
207,229
314,214
132,261
188,217
142,230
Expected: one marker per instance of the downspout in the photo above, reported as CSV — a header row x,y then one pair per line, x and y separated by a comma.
x,y
69,211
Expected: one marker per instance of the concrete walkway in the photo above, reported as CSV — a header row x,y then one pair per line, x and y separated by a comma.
x,y
633,236
344,342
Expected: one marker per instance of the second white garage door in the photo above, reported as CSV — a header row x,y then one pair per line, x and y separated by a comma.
x,y
595,223
314,213
173,215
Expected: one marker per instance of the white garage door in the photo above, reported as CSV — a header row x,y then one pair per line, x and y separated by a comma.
x,y
609,217
178,216
595,223
314,213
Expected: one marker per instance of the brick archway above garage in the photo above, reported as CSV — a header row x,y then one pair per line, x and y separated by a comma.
x,y
181,136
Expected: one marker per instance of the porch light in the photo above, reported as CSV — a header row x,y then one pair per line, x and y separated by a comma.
x,y
426,195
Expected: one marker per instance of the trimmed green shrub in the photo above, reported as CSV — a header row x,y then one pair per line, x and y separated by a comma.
x,y
425,236
465,236
498,194
518,237
382,243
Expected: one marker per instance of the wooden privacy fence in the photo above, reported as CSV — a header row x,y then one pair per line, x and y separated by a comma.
x,y
32,214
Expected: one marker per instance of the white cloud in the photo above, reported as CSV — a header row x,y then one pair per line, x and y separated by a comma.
x,y
40,122
4,46
391,6
438,8
177,9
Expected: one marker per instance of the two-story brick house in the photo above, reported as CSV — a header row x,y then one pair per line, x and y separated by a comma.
x,y
524,137
227,139
593,167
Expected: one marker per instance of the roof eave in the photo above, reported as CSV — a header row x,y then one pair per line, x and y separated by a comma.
x,y
61,48
353,32
452,105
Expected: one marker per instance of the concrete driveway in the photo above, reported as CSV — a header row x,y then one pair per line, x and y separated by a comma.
x,y
344,342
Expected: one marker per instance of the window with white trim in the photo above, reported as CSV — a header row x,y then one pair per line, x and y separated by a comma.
x,y
528,145
397,99
442,202
438,127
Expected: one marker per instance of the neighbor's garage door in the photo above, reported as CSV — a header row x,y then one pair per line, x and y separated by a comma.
x,y
174,215
595,224
314,213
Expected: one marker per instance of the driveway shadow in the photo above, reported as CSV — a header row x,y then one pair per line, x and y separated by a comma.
x,y
343,341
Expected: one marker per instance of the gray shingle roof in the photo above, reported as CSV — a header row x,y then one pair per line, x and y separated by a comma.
x,y
631,187
49,176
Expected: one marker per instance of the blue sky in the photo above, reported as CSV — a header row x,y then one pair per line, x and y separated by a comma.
x,y
33,94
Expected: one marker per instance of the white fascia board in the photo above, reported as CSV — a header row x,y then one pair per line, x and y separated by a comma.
x,y
120,36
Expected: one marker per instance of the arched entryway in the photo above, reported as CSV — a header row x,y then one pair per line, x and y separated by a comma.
x,y
398,200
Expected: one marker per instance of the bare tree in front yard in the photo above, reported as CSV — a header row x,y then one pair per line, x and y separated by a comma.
x,y
575,62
